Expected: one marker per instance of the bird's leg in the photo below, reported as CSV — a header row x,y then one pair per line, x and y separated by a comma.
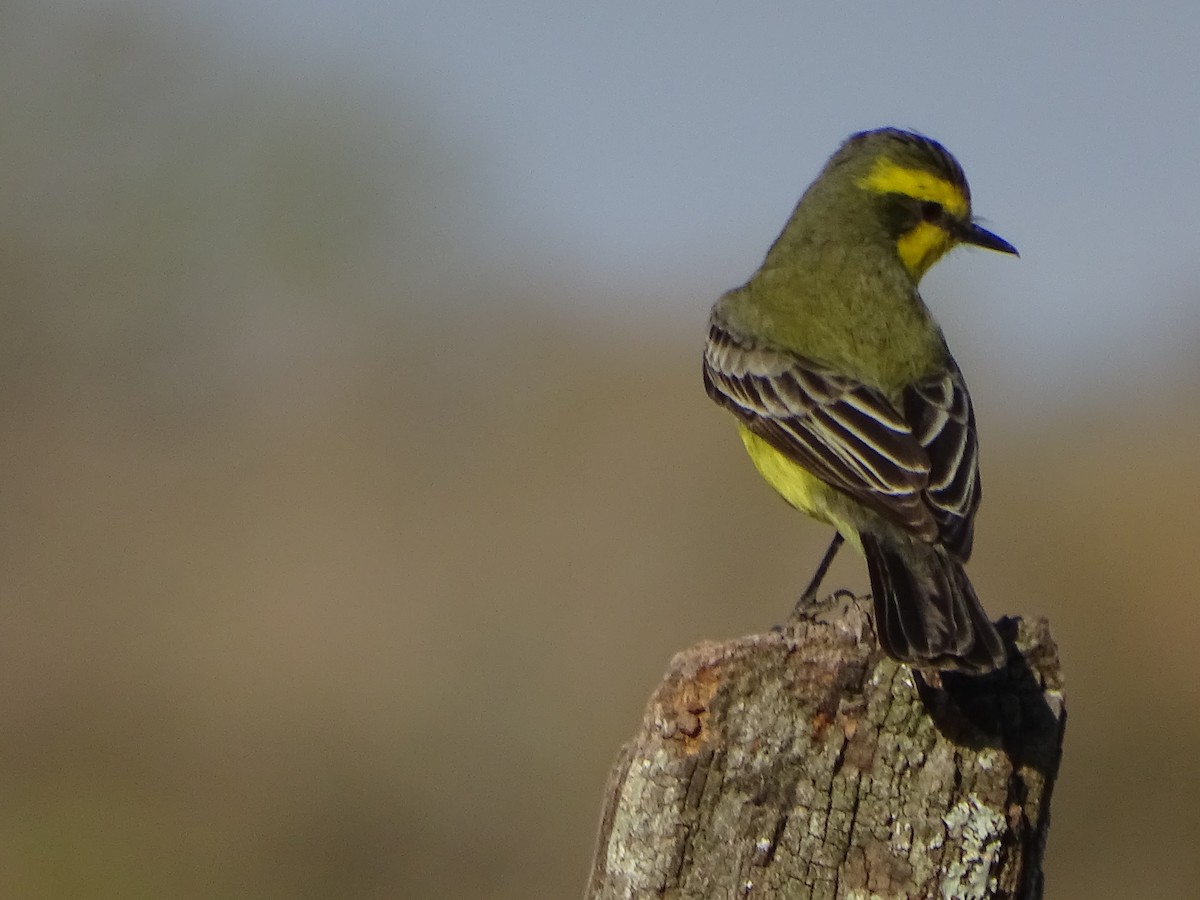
x,y
809,597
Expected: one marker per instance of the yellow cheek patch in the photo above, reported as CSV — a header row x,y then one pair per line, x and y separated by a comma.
x,y
889,178
922,247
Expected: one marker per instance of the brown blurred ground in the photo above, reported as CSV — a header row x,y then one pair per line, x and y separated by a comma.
x,y
309,590
355,637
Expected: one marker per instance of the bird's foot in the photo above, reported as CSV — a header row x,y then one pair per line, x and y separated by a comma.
x,y
810,605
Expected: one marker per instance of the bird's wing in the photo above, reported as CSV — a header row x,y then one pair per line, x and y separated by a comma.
x,y
939,412
850,435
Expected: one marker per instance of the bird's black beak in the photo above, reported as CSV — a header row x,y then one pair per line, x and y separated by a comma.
x,y
970,233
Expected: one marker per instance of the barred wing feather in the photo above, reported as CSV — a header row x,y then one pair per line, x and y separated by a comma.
x,y
916,466
944,424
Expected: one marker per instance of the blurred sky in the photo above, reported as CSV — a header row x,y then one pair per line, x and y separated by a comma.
x,y
655,149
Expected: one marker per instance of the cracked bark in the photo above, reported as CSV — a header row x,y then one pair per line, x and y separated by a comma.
x,y
802,763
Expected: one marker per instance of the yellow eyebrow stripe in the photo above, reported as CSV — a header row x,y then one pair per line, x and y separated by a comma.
x,y
889,178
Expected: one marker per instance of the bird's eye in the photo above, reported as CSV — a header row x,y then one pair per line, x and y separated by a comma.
x,y
932,211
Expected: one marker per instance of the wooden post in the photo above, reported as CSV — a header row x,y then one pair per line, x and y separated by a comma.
x,y
803,763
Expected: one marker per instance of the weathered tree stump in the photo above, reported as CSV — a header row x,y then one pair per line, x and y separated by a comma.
x,y
803,763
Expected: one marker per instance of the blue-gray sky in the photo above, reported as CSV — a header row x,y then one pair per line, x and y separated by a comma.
x,y
655,148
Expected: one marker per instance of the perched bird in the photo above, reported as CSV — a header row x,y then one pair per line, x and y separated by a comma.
x,y
847,398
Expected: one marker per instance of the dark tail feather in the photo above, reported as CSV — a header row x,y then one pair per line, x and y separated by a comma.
x,y
926,611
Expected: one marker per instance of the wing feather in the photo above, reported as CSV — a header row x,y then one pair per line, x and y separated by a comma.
x,y
847,434
917,465
944,421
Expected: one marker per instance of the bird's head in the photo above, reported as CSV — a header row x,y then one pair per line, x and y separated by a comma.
x,y
907,189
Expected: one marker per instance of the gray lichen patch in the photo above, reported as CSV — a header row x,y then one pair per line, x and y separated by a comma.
x,y
978,831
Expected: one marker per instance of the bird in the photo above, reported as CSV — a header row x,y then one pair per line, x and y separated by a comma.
x,y
848,399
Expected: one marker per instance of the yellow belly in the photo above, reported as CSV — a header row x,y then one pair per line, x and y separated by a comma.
x,y
802,490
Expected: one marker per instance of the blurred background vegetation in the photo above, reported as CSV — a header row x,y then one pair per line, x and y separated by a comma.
x,y
337,559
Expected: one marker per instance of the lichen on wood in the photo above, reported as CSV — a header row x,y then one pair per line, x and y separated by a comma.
x,y
802,763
